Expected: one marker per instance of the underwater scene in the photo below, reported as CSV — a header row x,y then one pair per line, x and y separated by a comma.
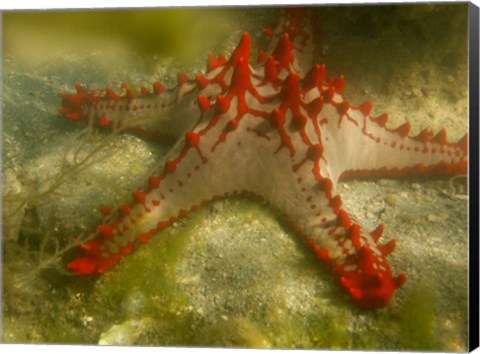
x,y
197,177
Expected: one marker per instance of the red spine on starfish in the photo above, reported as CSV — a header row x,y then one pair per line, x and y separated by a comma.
x,y
257,124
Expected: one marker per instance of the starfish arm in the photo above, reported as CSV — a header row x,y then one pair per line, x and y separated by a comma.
x,y
294,41
149,112
359,145
145,114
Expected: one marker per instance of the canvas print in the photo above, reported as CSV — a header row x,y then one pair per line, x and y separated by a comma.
x,y
260,177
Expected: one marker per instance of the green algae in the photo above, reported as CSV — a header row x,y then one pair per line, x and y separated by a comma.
x,y
417,321
148,272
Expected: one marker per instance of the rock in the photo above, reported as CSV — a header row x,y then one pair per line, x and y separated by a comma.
x,y
125,333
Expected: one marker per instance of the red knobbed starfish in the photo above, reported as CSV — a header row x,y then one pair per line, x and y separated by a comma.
x,y
279,130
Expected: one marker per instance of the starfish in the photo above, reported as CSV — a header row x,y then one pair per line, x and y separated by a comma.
x,y
279,131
